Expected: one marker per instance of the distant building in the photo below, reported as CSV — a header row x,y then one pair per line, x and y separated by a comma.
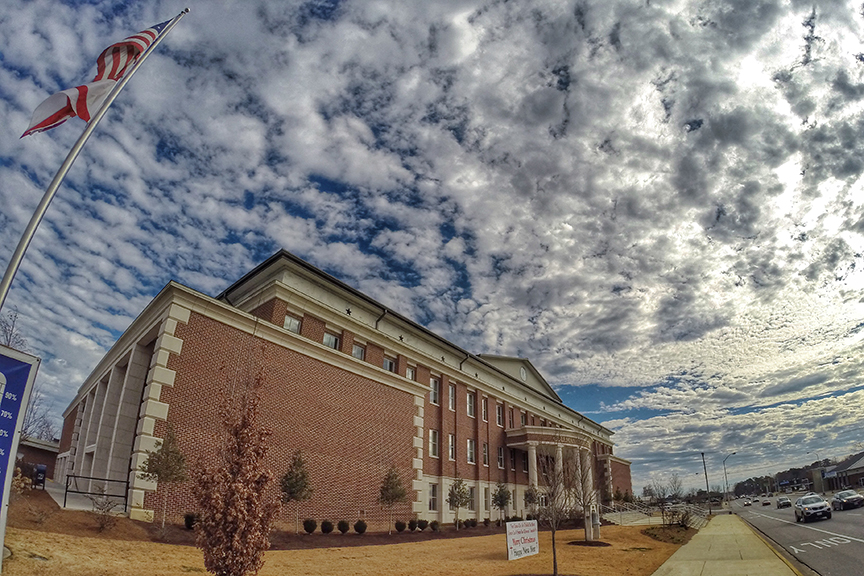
x,y
353,384
35,451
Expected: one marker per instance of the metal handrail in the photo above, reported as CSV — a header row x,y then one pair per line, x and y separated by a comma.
x,y
75,478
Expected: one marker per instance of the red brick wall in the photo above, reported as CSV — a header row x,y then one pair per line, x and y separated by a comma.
x,y
350,429
32,455
68,429
621,477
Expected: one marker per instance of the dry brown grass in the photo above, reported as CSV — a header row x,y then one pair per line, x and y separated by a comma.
x,y
66,544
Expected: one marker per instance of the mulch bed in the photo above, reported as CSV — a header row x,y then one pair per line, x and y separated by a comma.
x,y
36,510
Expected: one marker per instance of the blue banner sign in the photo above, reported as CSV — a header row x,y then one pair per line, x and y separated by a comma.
x,y
17,373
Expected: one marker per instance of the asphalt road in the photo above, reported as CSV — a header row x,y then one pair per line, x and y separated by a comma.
x,y
833,547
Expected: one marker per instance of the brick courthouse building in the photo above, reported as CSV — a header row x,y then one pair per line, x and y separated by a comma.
x,y
354,385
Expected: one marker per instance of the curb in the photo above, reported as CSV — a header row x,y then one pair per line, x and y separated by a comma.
x,y
770,545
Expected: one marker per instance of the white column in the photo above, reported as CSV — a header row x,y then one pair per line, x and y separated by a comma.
x,y
532,464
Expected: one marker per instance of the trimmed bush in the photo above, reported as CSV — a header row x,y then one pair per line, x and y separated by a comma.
x,y
309,525
326,527
400,526
422,524
189,520
412,525
434,526
486,522
343,526
360,527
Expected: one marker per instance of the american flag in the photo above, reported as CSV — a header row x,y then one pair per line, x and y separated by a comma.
x,y
81,101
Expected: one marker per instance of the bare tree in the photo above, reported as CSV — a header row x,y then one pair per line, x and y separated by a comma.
x,y
10,334
554,506
675,487
579,476
38,421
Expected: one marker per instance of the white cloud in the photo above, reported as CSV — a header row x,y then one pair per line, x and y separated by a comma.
x,y
664,195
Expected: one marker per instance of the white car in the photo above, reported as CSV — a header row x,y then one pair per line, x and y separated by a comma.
x,y
808,507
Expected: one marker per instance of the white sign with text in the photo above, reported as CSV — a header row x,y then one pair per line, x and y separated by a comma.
x,y
522,539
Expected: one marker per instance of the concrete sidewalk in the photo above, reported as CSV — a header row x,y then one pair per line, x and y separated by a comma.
x,y
726,547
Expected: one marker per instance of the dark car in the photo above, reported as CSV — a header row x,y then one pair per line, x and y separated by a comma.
x,y
847,499
747,502
808,507
784,502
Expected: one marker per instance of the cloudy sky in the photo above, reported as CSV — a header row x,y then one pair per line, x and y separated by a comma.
x,y
659,202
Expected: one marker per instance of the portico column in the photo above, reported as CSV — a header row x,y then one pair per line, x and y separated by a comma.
x,y
559,460
532,464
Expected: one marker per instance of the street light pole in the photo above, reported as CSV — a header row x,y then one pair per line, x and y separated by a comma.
x,y
726,477
707,489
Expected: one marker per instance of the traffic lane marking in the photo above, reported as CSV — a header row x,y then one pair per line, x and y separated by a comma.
x,y
851,538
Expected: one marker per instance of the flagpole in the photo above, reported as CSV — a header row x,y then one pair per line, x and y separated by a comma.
x,y
15,262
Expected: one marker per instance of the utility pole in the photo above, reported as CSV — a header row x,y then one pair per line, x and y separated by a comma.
x,y
707,489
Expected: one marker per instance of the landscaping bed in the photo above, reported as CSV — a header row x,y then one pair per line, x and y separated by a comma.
x,y
45,540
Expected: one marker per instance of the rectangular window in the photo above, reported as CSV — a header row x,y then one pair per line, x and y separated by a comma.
x,y
485,454
485,409
358,352
510,418
501,457
472,499
331,340
433,497
410,373
499,414
486,499
471,398
452,392
524,462
472,451
451,446
524,419
433,443
512,459
292,324
389,364
435,392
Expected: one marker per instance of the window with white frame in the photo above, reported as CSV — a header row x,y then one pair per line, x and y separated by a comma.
x,y
513,459
331,340
501,457
435,391
485,409
292,324
433,497
411,373
472,498
433,443
486,502
389,364
524,462
451,446
524,418
471,398
510,418
472,451
452,396
499,414
358,351
485,454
